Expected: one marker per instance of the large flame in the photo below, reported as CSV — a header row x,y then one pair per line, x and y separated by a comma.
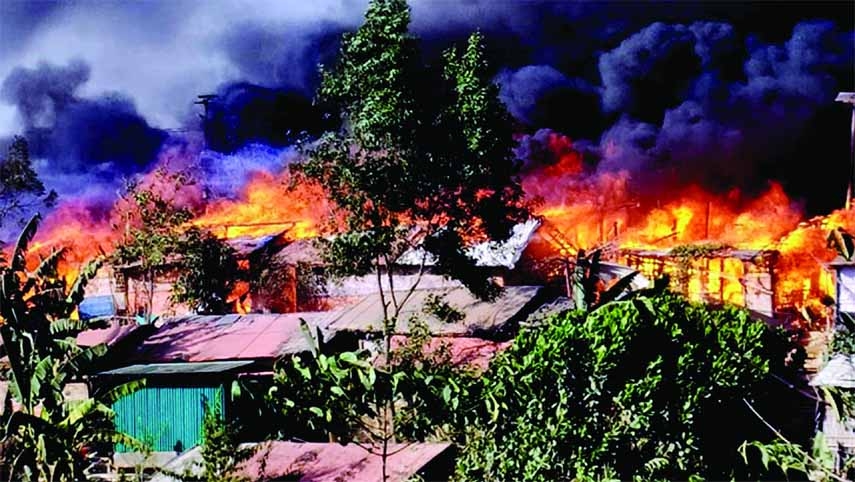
x,y
590,208
268,204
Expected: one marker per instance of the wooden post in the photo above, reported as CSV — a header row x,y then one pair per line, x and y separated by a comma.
x,y
707,225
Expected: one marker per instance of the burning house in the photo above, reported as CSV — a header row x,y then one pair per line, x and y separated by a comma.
x,y
713,274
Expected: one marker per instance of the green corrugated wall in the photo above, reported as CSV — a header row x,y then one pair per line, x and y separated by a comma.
x,y
164,415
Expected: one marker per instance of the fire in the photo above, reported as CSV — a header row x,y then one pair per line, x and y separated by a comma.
x,y
75,227
268,205
590,208
601,209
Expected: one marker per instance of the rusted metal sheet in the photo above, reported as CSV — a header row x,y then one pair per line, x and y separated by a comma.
x,y
325,462
200,338
114,333
366,315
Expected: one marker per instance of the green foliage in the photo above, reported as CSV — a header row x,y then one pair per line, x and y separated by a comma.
x,y
435,305
157,239
414,151
346,396
221,451
843,337
152,220
686,254
208,271
20,187
645,389
45,436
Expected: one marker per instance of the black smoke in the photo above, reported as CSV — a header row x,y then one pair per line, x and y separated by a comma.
x,y
701,103
242,114
720,93
104,135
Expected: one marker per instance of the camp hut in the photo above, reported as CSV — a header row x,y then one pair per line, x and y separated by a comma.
x,y
838,374
190,360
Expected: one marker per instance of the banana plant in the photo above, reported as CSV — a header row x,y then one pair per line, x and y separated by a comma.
x,y
44,436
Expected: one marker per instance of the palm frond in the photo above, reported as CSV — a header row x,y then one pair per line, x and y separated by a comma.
x,y
73,326
617,289
19,256
121,391
115,437
78,411
87,274
49,264
85,356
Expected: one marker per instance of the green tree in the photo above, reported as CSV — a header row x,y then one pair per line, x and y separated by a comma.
x,y
418,153
645,389
21,189
221,450
156,239
152,222
208,271
45,436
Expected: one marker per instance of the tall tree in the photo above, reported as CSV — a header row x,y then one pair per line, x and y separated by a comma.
x,y
151,221
21,189
417,152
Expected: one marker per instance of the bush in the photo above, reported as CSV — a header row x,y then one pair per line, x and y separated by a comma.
x,y
647,389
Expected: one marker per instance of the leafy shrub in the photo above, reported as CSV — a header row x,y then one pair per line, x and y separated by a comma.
x,y
647,389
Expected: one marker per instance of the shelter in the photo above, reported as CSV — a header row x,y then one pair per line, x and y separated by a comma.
x,y
839,434
191,360
742,277
331,462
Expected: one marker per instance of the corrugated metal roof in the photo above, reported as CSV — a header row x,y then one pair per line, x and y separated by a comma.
x,y
321,462
245,245
366,315
838,372
178,368
197,338
487,254
300,251
463,351
117,330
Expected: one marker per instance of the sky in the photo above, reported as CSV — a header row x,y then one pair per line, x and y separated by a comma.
x,y
722,93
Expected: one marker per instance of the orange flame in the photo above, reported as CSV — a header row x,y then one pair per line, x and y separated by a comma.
x,y
268,205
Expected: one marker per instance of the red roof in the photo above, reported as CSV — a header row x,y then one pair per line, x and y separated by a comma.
x,y
228,337
330,462
324,462
472,352
110,335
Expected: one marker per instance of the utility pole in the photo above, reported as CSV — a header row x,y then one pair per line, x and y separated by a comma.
x,y
849,98
205,100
